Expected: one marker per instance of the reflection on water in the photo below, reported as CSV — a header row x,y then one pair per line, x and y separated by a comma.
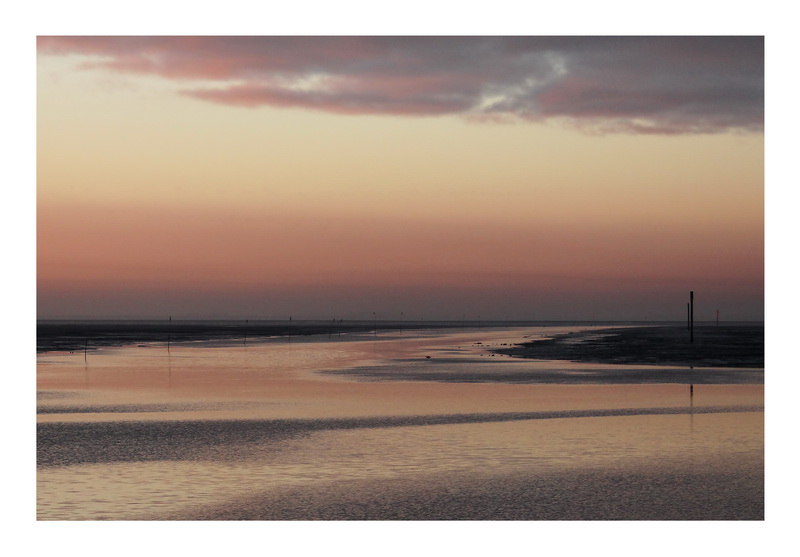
x,y
535,447
97,414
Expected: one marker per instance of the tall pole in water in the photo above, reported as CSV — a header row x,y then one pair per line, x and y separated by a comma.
x,y
169,332
691,316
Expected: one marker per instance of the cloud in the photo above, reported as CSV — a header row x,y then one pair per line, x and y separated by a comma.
x,y
665,85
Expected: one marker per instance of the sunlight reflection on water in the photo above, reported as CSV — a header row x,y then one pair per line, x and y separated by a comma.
x,y
275,379
137,490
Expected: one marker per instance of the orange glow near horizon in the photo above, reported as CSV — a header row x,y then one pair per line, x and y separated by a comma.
x,y
142,189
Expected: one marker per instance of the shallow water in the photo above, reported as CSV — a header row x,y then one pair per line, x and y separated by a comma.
x,y
200,431
129,490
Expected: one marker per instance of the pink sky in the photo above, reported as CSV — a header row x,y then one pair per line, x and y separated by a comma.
x,y
252,177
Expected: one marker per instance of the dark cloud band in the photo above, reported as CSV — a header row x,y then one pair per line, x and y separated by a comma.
x,y
662,85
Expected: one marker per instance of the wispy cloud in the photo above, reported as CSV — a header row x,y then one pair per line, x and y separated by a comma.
x,y
664,85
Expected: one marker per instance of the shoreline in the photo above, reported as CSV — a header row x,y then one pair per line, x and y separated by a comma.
x,y
728,346
56,335
224,431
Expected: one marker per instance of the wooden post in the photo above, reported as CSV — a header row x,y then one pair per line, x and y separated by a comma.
x,y
169,332
246,321
85,346
691,316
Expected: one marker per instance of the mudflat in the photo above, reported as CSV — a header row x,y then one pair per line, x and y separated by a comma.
x,y
739,346
423,425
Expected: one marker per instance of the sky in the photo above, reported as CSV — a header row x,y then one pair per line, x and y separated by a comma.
x,y
142,111
424,177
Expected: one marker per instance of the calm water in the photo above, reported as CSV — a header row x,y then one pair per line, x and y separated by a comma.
x,y
339,427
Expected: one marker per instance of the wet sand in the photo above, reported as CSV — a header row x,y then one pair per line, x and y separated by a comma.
x,y
271,431
727,346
